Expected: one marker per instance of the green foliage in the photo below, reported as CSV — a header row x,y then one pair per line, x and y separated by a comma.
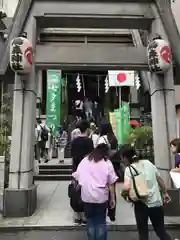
x,y
140,137
5,124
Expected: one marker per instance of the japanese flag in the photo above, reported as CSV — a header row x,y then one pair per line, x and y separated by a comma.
x,y
121,78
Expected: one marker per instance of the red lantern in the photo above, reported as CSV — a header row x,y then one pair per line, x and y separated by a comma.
x,y
159,56
21,55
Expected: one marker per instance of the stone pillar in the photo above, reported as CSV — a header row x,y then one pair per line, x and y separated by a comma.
x,y
160,126
21,188
163,110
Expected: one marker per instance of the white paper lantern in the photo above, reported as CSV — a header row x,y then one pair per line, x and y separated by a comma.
x,y
21,55
159,56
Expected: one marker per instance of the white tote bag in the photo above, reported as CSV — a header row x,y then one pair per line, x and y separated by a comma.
x,y
138,186
175,176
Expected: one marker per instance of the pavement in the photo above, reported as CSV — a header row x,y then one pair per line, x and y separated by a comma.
x,y
53,218
53,210
75,235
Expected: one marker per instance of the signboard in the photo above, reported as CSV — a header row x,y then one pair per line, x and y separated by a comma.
x,y
121,78
53,103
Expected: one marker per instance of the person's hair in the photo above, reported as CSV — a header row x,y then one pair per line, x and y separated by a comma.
x,y
96,131
39,121
106,129
116,156
128,152
84,126
99,153
176,143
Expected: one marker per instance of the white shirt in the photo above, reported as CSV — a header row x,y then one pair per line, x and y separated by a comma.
x,y
39,129
48,143
79,105
75,133
88,106
95,139
103,139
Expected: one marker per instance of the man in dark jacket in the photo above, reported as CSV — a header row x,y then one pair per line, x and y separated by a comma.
x,y
81,147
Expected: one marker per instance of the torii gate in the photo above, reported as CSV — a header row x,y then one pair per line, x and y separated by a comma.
x,y
32,16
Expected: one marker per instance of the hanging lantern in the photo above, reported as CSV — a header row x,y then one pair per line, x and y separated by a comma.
x,y
21,54
159,55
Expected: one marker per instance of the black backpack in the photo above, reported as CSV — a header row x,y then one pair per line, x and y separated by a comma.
x,y
44,134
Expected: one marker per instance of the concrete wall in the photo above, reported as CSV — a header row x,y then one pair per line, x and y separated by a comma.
x,y
176,11
177,94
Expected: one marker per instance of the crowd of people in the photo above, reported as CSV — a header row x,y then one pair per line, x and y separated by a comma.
x,y
87,109
97,163
48,146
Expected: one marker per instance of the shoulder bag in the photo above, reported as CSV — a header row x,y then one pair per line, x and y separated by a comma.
x,y
138,186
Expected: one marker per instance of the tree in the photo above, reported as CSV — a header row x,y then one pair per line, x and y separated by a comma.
x,y
5,124
142,139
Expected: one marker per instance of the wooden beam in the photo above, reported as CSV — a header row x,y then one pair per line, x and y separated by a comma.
x,y
100,56
95,21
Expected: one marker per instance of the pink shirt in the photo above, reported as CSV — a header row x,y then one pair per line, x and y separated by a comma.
x,y
94,179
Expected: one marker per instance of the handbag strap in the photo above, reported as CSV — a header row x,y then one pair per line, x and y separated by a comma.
x,y
133,180
135,170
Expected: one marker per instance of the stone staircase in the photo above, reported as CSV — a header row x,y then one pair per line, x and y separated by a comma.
x,y
79,233
58,172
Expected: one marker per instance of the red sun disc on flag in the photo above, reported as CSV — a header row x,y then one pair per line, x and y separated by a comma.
x,y
121,77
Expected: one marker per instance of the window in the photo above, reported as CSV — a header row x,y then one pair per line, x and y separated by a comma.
x,y
176,73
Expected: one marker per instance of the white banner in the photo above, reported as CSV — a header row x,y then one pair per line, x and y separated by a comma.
x,y
121,78
175,176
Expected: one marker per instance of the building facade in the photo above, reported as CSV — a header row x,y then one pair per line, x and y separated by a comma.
x,y
9,6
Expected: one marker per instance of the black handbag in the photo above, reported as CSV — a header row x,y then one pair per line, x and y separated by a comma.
x,y
74,193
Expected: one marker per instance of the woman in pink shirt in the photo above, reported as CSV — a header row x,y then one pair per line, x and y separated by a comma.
x,y
96,176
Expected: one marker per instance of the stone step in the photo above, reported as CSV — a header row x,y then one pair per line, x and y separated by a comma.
x,y
58,171
79,233
55,166
55,177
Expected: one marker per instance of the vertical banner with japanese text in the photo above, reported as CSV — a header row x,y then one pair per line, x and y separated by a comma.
x,y
126,120
122,118
53,102
113,121
118,119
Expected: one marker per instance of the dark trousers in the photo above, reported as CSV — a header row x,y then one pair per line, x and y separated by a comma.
x,y
112,211
96,220
156,215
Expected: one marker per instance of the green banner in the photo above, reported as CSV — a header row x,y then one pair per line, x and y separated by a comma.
x,y
119,132
126,119
53,102
122,123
